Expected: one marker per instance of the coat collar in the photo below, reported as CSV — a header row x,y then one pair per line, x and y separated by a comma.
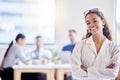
x,y
89,41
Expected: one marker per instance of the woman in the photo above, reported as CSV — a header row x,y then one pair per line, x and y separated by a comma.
x,y
14,53
97,56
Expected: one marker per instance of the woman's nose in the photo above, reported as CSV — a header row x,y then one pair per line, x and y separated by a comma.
x,y
91,25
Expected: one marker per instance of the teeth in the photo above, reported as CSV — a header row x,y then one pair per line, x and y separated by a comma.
x,y
92,29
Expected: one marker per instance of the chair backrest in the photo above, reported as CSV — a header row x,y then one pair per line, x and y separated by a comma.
x,y
65,57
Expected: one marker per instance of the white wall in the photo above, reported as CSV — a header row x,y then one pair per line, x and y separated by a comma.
x,y
69,14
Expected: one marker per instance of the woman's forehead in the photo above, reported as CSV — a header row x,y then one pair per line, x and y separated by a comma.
x,y
92,16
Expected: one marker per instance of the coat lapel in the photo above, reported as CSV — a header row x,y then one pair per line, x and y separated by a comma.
x,y
102,53
91,45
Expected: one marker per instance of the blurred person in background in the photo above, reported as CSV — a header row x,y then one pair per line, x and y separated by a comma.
x,y
39,56
14,52
73,39
67,50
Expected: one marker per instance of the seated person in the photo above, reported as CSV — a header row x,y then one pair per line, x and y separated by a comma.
x,y
68,49
40,56
14,52
73,40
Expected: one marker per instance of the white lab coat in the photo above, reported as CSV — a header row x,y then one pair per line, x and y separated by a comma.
x,y
85,54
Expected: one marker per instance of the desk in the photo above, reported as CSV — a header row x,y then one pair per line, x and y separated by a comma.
x,y
61,70
48,69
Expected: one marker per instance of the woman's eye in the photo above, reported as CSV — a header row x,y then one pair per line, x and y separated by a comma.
x,y
95,21
88,23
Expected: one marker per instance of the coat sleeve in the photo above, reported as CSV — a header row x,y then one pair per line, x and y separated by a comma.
x,y
77,72
106,72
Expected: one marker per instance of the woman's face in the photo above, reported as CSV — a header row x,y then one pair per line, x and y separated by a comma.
x,y
94,23
21,41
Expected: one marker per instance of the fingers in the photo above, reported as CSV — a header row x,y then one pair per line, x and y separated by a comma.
x,y
45,61
83,68
111,66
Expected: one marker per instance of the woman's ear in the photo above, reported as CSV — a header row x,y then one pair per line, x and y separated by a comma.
x,y
103,22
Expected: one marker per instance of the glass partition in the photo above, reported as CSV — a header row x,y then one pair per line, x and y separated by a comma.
x,y
31,17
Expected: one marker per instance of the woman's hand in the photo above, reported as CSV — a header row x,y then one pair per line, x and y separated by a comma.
x,y
44,61
111,66
19,62
84,68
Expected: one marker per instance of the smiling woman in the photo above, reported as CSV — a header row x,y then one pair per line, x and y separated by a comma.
x,y
29,17
88,55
